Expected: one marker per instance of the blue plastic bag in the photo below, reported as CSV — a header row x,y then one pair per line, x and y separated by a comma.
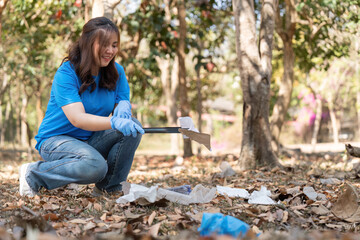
x,y
220,224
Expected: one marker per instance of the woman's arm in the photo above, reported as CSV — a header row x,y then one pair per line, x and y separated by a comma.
x,y
77,116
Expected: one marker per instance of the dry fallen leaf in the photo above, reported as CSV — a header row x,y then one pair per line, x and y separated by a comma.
x,y
97,207
321,210
154,230
347,206
285,217
117,225
103,217
151,218
78,221
89,225
130,215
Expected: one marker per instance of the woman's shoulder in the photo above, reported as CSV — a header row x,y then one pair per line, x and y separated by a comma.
x,y
65,71
66,67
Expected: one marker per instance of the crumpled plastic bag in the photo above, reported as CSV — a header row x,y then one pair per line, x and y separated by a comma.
x,y
199,194
226,170
233,192
261,197
256,197
222,224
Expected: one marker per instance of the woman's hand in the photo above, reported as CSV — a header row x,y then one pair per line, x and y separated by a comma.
x,y
126,126
123,109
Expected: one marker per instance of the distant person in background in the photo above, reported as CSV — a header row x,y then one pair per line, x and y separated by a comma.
x,y
78,139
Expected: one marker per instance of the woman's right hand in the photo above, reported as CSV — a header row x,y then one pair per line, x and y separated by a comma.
x,y
126,126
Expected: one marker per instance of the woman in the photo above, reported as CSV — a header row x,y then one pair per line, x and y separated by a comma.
x,y
78,140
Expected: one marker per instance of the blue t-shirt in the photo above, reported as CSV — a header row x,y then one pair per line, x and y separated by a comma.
x,y
65,90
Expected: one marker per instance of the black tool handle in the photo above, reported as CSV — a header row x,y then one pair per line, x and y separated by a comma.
x,y
162,130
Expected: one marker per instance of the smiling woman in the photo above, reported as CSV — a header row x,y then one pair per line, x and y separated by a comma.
x,y
104,52
78,139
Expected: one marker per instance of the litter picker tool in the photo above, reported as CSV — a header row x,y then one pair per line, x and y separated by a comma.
x,y
186,128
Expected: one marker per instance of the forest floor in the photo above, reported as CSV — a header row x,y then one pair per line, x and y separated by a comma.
x,y
299,212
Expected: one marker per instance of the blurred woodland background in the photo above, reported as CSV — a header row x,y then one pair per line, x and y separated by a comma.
x,y
314,89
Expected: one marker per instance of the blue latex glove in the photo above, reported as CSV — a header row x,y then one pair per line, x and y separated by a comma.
x,y
126,126
123,109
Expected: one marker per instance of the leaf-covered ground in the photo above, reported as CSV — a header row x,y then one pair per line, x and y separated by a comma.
x,y
72,212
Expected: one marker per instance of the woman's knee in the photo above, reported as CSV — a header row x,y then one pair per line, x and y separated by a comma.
x,y
94,170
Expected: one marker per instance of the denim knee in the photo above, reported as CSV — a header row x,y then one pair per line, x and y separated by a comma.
x,y
94,170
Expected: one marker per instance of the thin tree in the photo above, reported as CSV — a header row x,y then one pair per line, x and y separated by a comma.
x,y
285,27
184,104
254,55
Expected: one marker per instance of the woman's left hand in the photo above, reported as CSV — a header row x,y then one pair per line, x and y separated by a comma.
x,y
123,109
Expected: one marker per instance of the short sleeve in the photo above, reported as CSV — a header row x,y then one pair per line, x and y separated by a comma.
x,y
122,85
66,85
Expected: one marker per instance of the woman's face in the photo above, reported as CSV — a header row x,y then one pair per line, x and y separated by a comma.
x,y
107,52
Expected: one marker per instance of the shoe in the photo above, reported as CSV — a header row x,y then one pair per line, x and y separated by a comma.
x,y
25,189
97,192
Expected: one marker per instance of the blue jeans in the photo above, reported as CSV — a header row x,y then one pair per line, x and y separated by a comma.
x,y
104,159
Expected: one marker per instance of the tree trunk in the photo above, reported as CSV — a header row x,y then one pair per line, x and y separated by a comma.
x,y
170,83
283,101
357,75
87,10
5,124
17,108
23,124
172,106
316,122
184,104
255,71
4,85
358,109
286,32
164,65
334,124
39,111
2,129
97,9
2,7
199,104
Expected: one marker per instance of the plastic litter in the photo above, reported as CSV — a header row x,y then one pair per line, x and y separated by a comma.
x,y
226,170
261,197
233,192
222,224
184,189
199,194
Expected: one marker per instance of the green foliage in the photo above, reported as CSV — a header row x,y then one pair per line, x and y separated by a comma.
x,y
325,31
35,37
149,25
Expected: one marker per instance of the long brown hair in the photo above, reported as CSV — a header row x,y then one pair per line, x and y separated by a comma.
x,y
82,57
